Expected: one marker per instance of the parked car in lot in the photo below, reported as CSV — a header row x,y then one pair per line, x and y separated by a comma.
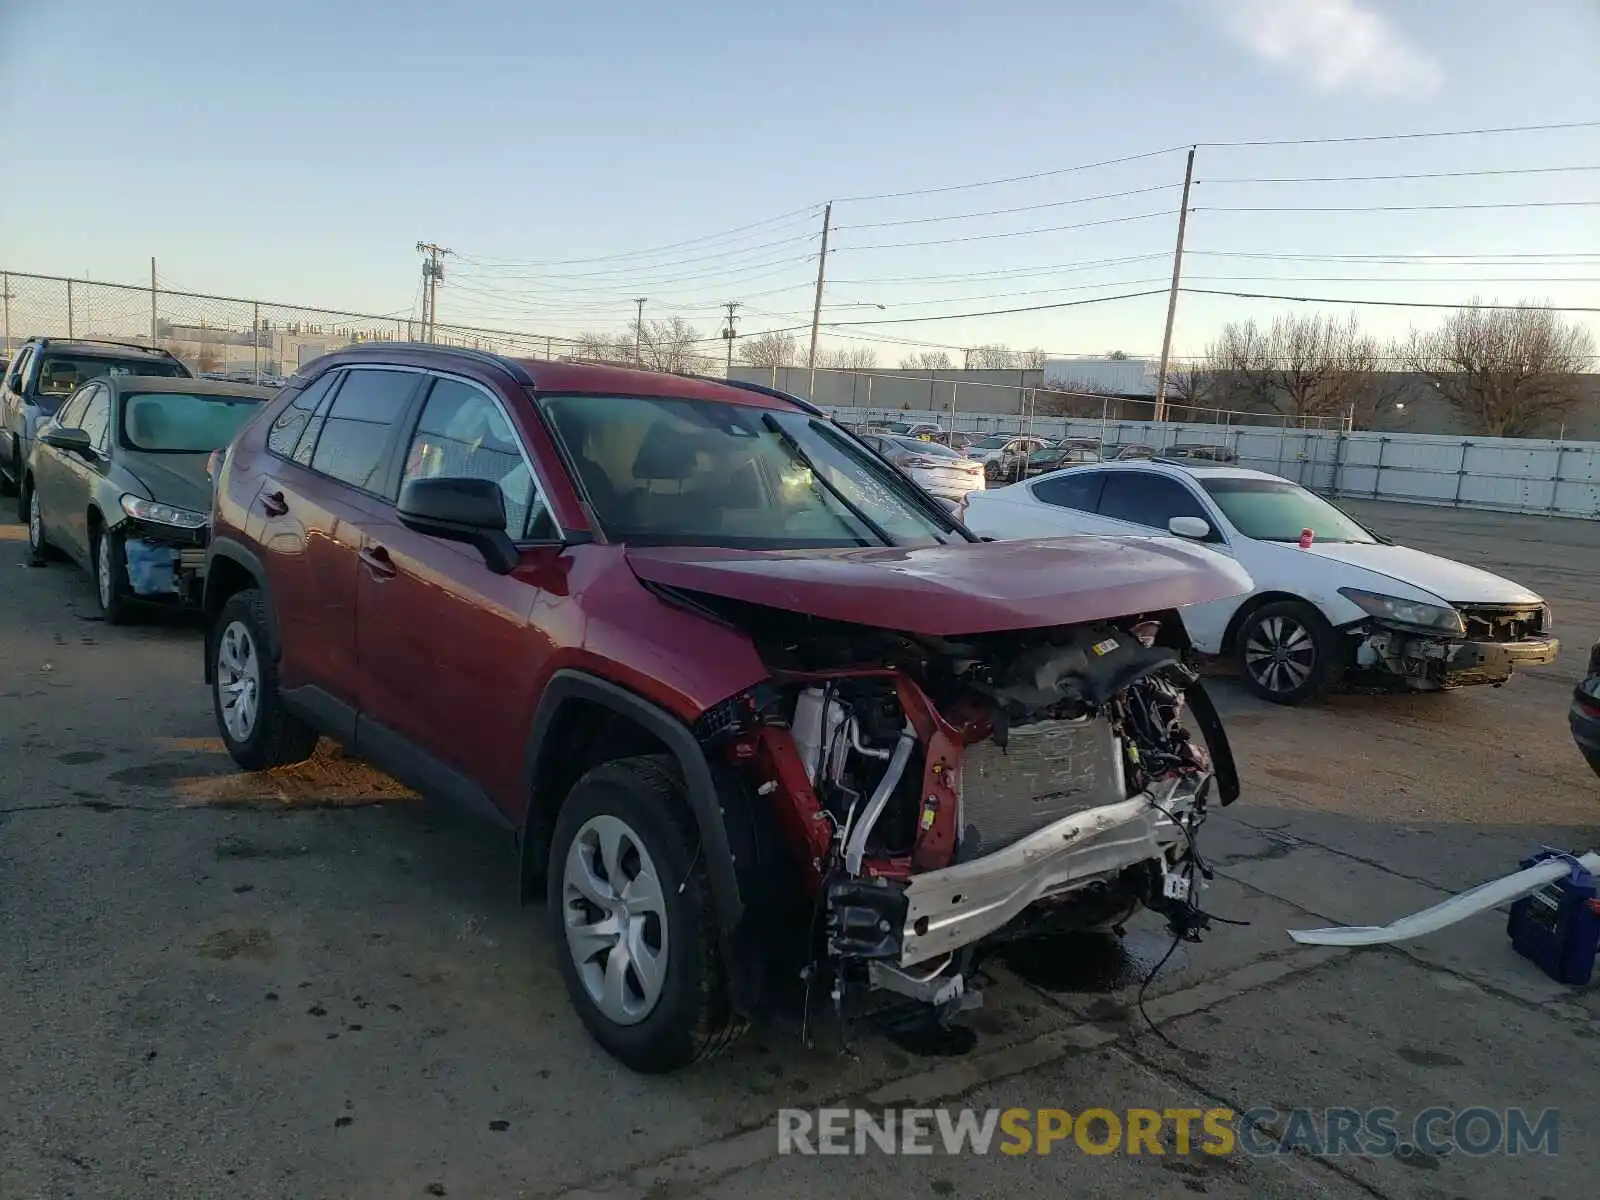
x,y
1053,458
749,700
44,372
915,429
1204,453
1347,606
1585,714
117,481
1002,454
938,470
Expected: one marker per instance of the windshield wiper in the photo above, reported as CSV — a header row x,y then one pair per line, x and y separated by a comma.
x,y
792,445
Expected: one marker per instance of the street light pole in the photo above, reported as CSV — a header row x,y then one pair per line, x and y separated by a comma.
x,y
638,332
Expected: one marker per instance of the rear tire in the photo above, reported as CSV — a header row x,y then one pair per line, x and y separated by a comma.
x,y
11,482
1287,652
631,914
256,728
1592,757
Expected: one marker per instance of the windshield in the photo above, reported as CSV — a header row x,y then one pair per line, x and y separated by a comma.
x,y
661,471
1275,510
60,374
1046,454
931,449
998,442
179,423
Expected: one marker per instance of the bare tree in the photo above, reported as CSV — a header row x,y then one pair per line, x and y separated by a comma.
x,y
1237,361
1509,372
1118,356
770,350
1032,360
207,358
996,356
600,347
1074,398
671,344
1194,386
927,360
847,358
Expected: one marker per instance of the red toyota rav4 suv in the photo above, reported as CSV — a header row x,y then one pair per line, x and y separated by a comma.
x,y
748,699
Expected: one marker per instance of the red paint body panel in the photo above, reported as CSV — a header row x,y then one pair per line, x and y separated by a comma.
x,y
951,590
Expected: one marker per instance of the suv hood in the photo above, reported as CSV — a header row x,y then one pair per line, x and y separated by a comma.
x,y
942,591
1452,582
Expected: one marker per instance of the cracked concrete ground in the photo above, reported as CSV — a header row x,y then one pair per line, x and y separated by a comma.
x,y
309,984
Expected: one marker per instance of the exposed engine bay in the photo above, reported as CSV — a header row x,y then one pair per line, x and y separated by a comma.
x,y
942,794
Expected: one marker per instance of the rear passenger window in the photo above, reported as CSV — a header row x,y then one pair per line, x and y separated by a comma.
x,y
97,419
285,433
356,433
1079,490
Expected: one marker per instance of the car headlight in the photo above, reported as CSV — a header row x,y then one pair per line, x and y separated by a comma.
x,y
163,514
1415,613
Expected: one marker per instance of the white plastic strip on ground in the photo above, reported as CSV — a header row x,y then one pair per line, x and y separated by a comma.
x,y
1449,912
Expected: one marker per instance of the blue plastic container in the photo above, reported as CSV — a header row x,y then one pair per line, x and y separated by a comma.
x,y
1558,927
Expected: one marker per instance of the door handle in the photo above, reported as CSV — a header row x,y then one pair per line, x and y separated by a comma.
x,y
274,504
376,559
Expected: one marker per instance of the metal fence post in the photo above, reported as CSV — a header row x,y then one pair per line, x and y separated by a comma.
x,y
869,391
1377,470
5,299
1555,477
255,337
953,386
1461,470
69,308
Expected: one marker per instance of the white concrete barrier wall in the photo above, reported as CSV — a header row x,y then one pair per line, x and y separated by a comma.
x,y
1503,474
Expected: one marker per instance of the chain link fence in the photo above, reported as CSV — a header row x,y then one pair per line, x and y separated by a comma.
x,y
256,340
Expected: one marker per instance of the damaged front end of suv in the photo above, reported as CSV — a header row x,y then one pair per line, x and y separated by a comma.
x,y
940,791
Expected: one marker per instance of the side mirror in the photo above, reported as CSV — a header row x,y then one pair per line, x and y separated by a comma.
x,y
74,441
1197,528
466,510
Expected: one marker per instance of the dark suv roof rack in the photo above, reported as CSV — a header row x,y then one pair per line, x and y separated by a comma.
x,y
511,366
160,351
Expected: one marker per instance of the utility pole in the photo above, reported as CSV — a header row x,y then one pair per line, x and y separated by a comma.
x,y
153,327
638,332
729,334
816,305
1172,297
432,275
5,299
966,358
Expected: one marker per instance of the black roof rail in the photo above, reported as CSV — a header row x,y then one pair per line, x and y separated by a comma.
x,y
763,389
509,365
94,341
1167,461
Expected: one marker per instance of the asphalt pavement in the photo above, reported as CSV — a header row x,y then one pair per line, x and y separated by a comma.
x,y
310,983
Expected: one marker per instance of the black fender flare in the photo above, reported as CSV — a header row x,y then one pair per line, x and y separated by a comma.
x,y
568,685
242,556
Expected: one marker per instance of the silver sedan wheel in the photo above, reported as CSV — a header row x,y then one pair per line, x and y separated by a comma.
x,y
102,575
615,916
35,521
238,681
1280,654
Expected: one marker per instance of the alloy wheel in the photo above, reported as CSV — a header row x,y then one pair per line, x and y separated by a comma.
x,y
615,918
1280,654
104,580
238,680
35,522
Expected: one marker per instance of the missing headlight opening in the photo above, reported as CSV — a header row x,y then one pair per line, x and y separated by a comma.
x,y
952,793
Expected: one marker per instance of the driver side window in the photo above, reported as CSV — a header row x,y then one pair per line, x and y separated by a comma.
x,y
1145,498
71,414
19,370
96,421
463,433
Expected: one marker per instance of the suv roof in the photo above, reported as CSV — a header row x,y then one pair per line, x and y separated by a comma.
x,y
579,377
101,348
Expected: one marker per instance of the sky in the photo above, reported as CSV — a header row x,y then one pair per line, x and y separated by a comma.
x,y
575,157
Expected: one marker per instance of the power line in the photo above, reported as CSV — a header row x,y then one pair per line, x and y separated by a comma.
x,y
662,266
1436,259
1014,272
1393,303
710,237
1397,207
999,312
1401,137
1413,175
998,212
959,187
1452,282
984,237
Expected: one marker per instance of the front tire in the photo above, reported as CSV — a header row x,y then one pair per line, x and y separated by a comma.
x,y
38,543
1286,652
256,728
110,570
631,914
